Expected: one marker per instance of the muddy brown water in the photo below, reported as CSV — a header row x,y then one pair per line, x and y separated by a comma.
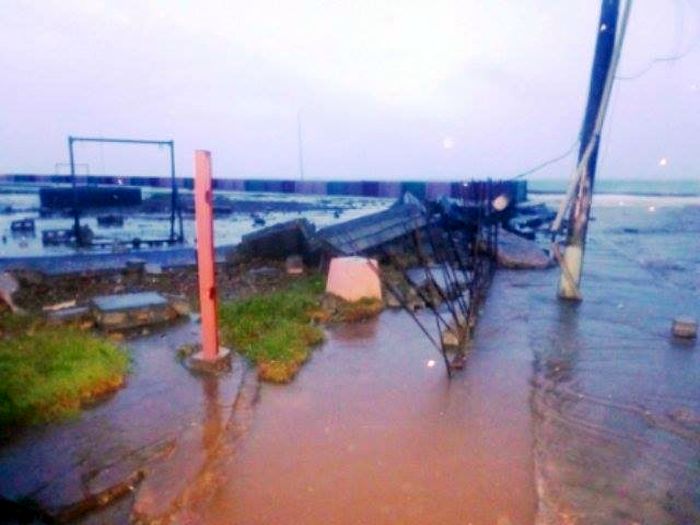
x,y
164,421
371,431
575,414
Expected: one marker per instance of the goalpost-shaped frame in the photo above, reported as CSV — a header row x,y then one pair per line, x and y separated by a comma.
x,y
174,200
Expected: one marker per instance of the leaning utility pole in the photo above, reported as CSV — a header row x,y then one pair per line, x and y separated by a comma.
x,y
607,54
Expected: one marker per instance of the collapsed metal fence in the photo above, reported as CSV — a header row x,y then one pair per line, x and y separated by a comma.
x,y
444,257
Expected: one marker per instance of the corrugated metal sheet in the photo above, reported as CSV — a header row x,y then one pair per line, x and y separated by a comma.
x,y
370,231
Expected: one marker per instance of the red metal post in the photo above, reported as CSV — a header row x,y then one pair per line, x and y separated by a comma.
x,y
205,254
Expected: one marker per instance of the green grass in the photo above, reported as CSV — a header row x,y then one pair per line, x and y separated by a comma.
x,y
47,372
353,312
274,330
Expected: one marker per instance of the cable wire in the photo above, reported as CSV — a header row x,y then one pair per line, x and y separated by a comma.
x,y
659,60
548,162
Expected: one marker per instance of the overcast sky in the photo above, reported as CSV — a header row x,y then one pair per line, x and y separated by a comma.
x,y
434,89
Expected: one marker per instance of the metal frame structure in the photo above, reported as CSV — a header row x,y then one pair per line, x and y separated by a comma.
x,y
174,200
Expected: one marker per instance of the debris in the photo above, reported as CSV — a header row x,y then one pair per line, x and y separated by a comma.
x,y
450,339
518,253
264,272
56,237
103,498
391,300
278,241
22,226
354,278
124,311
372,231
458,361
111,220
153,269
8,287
685,327
454,333
58,306
294,265
437,281
70,315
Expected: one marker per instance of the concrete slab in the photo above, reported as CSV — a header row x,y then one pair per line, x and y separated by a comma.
x,y
128,301
125,311
68,315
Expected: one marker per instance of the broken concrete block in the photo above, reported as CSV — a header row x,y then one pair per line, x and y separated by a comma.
x,y
278,241
517,253
69,315
354,278
437,281
685,327
294,265
125,311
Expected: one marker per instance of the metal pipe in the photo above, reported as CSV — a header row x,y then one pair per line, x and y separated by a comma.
x,y
74,183
122,141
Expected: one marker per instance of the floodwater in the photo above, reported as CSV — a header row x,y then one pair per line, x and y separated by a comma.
x,y
228,229
164,421
371,431
565,413
616,399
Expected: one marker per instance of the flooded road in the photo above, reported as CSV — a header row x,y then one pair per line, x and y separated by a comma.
x,y
370,432
164,422
565,413
617,399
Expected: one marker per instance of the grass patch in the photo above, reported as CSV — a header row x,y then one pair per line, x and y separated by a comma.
x,y
274,330
47,372
353,312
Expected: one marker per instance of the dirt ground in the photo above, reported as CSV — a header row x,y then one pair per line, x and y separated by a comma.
x,y
233,281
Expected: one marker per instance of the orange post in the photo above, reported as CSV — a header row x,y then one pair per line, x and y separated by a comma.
x,y
205,254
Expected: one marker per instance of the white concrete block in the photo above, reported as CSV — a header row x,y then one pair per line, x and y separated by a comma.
x,y
354,278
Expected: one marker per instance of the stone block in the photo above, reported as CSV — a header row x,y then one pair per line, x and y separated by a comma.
x,y
685,327
354,278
